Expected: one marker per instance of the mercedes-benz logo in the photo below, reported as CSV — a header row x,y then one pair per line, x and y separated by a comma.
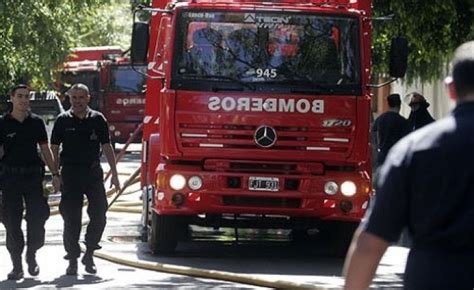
x,y
265,136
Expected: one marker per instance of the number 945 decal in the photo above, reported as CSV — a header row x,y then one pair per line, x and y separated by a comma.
x,y
267,72
336,123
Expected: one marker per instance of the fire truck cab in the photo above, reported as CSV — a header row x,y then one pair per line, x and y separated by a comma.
x,y
257,115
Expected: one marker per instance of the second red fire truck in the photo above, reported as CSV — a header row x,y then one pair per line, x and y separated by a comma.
x,y
117,89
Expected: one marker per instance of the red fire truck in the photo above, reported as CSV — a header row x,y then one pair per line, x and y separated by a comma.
x,y
117,89
257,115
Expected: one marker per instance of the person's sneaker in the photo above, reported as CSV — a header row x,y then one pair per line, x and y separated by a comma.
x,y
15,274
72,268
88,261
33,267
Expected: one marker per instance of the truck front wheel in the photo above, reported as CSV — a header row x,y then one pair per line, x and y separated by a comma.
x,y
163,235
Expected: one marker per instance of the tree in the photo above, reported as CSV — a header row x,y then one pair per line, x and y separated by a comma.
x,y
109,24
433,29
36,36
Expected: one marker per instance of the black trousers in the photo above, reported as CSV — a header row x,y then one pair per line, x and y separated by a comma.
x,y
77,182
20,191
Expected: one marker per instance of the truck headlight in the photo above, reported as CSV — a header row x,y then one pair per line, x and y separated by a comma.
x,y
348,188
177,182
195,182
330,188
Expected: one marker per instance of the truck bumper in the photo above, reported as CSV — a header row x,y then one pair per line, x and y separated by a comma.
x,y
230,193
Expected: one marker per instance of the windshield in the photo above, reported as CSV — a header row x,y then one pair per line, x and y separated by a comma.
x,y
272,51
89,78
125,79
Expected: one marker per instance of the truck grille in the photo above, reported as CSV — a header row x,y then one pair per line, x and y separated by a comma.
x,y
334,139
252,201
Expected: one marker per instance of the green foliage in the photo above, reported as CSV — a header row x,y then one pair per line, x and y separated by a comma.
x,y
433,29
36,35
107,25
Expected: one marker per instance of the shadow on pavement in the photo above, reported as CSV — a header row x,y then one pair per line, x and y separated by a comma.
x,y
189,283
60,282
262,257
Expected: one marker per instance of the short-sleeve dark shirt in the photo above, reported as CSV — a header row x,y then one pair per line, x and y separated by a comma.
x,y
81,139
427,184
390,127
20,140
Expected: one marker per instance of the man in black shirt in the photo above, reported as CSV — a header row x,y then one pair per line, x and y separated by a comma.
x,y
23,170
427,185
389,127
84,134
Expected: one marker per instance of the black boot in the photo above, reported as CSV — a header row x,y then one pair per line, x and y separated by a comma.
x,y
88,261
72,268
33,267
17,272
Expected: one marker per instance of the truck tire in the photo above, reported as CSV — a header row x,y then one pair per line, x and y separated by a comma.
x,y
163,234
338,237
146,213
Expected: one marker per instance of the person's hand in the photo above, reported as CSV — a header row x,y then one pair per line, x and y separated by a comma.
x,y
56,183
115,182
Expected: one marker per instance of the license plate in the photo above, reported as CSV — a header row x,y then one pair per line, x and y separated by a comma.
x,y
263,183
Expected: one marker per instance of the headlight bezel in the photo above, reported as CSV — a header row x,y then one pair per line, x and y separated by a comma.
x,y
331,188
348,188
191,184
177,181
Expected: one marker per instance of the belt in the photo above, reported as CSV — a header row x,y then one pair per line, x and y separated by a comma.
x,y
91,165
20,170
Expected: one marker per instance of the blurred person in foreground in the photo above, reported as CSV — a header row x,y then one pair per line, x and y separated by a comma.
x,y
427,185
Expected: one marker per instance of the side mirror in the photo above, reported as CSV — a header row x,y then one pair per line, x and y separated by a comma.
x,y
398,57
140,37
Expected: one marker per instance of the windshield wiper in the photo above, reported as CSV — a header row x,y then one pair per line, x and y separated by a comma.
x,y
313,88
325,89
224,87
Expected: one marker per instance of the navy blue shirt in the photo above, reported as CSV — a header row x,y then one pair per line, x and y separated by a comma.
x,y
20,140
81,139
427,184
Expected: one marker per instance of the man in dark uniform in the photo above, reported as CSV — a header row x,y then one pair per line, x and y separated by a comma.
x,y
419,115
389,127
23,171
427,185
84,134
